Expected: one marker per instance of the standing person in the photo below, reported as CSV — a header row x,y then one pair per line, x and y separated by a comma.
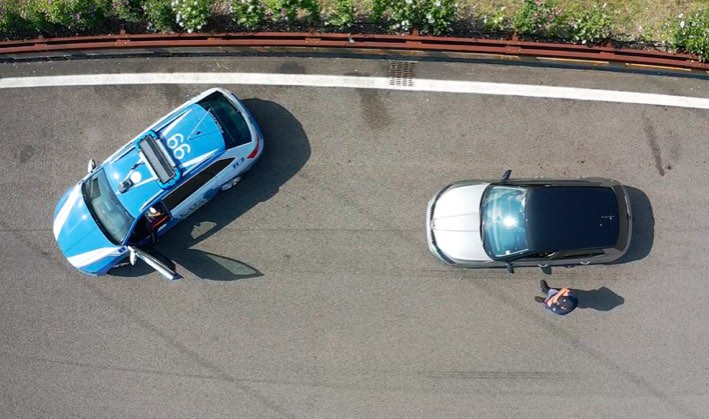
x,y
559,302
154,218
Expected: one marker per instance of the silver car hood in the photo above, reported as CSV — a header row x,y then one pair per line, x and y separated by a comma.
x,y
455,223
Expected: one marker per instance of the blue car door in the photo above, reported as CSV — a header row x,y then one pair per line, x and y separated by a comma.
x,y
198,190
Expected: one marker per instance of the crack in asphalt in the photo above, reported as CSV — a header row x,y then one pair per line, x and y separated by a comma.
x,y
651,136
574,342
145,324
193,355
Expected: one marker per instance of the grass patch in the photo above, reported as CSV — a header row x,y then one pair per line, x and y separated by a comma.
x,y
636,19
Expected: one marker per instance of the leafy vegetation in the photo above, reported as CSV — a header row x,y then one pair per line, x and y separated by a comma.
x,y
578,21
128,10
591,24
427,16
10,19
539,18
342,15
248,14
691,34
160,15
78,15
289,10
191,15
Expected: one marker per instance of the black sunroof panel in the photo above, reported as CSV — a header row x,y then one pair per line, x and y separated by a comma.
x,y
571,218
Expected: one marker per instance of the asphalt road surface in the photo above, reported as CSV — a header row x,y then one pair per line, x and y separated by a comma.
x,y
308,289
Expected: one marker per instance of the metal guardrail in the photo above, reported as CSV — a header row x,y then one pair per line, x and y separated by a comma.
x,y
505,49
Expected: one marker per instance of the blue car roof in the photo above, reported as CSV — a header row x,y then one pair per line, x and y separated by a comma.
x,y
190,136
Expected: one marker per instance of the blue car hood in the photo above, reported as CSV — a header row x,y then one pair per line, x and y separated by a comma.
x,y
79,238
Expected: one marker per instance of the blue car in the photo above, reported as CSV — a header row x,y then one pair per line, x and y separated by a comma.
x,y
157,179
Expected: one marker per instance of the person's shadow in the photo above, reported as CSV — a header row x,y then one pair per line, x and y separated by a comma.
x,y
286,151
601,299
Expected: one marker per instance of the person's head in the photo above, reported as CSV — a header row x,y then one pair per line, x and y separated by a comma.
x,y
567,304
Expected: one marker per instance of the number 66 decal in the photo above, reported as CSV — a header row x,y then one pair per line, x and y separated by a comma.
x,y
177,146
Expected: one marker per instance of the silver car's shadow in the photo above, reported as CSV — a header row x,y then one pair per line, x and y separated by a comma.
x,y
286,151
643,226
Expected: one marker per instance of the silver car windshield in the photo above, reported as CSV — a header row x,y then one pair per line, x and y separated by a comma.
x,y
504,227
111,217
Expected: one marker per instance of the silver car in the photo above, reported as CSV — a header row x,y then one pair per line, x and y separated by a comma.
x,y
529,222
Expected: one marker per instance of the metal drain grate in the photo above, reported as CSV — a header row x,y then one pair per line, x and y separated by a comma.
x,y
401,73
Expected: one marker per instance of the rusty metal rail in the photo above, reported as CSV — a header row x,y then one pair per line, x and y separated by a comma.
x,y
505,49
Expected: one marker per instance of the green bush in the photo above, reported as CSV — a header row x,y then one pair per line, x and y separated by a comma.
x,y
428,16
496,21
438,17
591,24
539,18
343,15
79,15
290,8
250,14
10,18
128,10
35,17
192,15
161,17
584,23
691,34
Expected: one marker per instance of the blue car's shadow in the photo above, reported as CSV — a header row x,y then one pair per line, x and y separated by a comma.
x,y
286,151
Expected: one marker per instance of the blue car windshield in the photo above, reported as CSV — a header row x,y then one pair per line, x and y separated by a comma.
x,y
504,224
111,217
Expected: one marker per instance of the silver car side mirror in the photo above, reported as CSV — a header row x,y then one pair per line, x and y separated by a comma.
x,y
91,166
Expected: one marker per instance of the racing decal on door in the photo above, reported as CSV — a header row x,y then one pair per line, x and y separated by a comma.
x,y
178,147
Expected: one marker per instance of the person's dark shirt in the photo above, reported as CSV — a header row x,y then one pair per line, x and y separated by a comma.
x,y
564,305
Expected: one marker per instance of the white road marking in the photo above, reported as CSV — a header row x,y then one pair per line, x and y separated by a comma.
x,y
307,80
